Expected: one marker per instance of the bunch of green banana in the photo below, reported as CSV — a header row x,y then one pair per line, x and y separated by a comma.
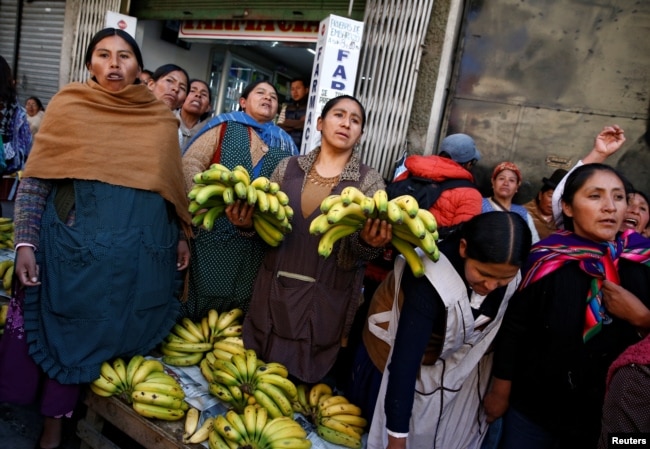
x,y
336,419
256,429
6,233
3,317
244,380
218,186
345,214
7,274
188,341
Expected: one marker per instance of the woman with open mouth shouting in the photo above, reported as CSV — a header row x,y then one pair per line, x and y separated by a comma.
x,y
584,298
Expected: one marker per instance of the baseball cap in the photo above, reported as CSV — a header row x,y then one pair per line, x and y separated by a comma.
x,y
460,147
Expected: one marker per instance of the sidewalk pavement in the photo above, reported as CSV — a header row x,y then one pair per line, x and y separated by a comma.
x,y
20,428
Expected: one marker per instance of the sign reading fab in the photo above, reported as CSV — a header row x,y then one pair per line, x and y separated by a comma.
x,y
334,71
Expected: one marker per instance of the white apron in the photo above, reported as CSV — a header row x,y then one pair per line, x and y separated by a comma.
x,y
447,410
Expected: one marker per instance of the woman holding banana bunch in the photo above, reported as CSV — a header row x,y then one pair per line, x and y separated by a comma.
x,y
303,304
98,217
225,260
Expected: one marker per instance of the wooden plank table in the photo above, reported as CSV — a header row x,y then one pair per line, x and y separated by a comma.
x,y
149,433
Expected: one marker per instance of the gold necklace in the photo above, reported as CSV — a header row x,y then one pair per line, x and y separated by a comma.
x,y
314,178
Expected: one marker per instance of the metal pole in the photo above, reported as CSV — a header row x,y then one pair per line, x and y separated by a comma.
x,y
19,26
125,6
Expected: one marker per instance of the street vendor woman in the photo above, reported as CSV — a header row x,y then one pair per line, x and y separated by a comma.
x,y
98,221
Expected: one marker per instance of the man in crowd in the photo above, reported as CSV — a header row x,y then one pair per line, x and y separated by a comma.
x,y
292,115
458,199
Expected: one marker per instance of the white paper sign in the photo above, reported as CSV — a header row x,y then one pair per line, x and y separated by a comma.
x,y
122,22
334,71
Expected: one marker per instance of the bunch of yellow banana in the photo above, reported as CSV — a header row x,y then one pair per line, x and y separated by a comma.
x,y
244,380
225,347
192,430
6,233
159,396
225,324
218,186
195,433
144,384
121,378
117,377
256,429
188,341
336,419
7,274
345,214
307,399
340,422
3,317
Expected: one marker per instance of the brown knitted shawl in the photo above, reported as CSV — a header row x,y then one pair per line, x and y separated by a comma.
x,y
127,138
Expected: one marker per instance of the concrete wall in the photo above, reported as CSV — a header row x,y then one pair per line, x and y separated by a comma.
x,y
536,84
421,124
157,52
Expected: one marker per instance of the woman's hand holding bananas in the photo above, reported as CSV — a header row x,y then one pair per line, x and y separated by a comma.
x,y
240,214
376,233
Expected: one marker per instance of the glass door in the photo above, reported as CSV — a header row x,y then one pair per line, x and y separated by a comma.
x,y
283,85
236,73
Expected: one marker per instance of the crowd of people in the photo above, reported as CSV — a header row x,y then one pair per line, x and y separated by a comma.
x,y
16,134
530,331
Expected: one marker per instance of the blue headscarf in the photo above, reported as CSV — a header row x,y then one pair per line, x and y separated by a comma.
x,y
269,132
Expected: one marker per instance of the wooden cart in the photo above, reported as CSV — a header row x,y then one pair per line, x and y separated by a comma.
x,y
149,433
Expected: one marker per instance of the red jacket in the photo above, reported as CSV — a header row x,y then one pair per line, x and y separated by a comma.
x,y
454,205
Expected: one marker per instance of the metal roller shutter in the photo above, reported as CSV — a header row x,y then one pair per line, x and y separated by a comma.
x,y
8,12
392,48
40,49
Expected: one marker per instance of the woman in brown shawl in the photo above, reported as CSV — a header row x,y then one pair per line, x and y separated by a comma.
x,y
97,223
